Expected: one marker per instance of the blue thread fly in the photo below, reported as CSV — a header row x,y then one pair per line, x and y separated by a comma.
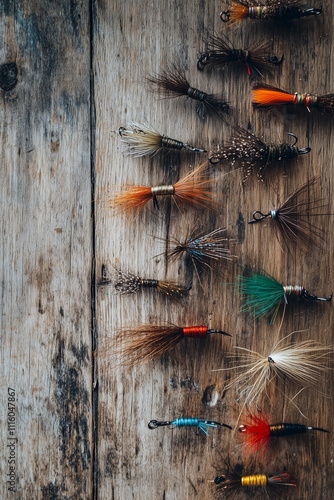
x,y
188,422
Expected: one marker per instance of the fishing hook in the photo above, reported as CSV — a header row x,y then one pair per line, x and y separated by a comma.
x,y
309,296
225,16
312,12
258,216
302,151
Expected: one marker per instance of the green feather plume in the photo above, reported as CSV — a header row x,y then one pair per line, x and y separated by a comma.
x,y
261,294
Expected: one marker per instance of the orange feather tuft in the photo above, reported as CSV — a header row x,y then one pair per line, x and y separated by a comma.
x,y
238,12
266,95
256,432
132,199
194,188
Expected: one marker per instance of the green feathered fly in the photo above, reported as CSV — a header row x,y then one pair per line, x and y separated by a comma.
x,y
262,294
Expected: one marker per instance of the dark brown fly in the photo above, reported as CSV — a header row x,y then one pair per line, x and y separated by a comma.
x,y
173,83
220,52
293,217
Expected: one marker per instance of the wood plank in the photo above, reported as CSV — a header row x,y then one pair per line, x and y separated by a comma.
x,y
134,40
46,187
46,249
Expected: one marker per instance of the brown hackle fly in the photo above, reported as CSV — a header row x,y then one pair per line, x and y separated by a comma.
x,y
173,83
293,217
220,52
135,346
253,154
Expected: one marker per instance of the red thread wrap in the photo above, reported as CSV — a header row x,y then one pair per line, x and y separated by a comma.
x,y
198,332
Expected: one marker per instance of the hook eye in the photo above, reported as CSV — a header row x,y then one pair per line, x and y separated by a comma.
x,y
121,130
312,12
304,151
257,216
187,147
225,16
275,60
295,137
154,424
214,160
201,63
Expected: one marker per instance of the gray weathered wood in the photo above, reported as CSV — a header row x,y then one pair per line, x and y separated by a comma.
x,y
46,249
81,426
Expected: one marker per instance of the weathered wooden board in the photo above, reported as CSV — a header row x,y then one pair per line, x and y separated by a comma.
x,y
81,426
134,40
46,251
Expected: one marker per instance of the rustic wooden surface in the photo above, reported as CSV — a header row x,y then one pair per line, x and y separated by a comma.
x,y
81,425
46,249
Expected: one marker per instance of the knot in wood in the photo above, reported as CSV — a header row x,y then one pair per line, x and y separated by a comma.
x,y
8,76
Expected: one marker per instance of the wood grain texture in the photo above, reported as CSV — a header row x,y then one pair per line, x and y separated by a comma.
x,y
81,425
46,249
134,40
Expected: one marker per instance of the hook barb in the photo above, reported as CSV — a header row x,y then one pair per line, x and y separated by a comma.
x,y
218,331
309,296
317,429
302,151
222,425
